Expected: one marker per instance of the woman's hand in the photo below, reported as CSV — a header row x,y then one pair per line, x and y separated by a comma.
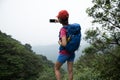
x,y
63,41
59,42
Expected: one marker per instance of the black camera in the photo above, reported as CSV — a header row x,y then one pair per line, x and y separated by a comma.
x,y
53,21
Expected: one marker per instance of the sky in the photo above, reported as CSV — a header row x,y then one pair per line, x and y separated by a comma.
x,y
28,20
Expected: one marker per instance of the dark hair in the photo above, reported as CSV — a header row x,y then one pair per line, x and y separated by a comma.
x,y
63,21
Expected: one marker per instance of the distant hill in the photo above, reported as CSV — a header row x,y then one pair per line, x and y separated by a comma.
x,y
49,51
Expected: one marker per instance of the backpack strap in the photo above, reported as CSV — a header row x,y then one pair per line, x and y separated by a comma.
x,y
67,33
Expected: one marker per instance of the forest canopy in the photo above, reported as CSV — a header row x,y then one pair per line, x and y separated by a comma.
x,y
19,62
101,60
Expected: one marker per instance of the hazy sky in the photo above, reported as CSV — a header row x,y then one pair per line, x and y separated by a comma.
x,y
28,20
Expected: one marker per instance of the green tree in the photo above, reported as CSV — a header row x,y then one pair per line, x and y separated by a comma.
x,y
101,60
107,14
28,46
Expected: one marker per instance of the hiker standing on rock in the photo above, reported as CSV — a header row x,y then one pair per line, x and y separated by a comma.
x,y
64,54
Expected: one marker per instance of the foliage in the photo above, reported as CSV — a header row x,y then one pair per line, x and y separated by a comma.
x,y
107,13
98,66
19,62
101,60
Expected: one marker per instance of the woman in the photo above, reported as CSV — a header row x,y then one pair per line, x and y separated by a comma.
x,y
64,55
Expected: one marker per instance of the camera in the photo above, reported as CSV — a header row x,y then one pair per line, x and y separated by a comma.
x,y
53,21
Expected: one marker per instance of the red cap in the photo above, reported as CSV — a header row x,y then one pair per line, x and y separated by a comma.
x,y
63,14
